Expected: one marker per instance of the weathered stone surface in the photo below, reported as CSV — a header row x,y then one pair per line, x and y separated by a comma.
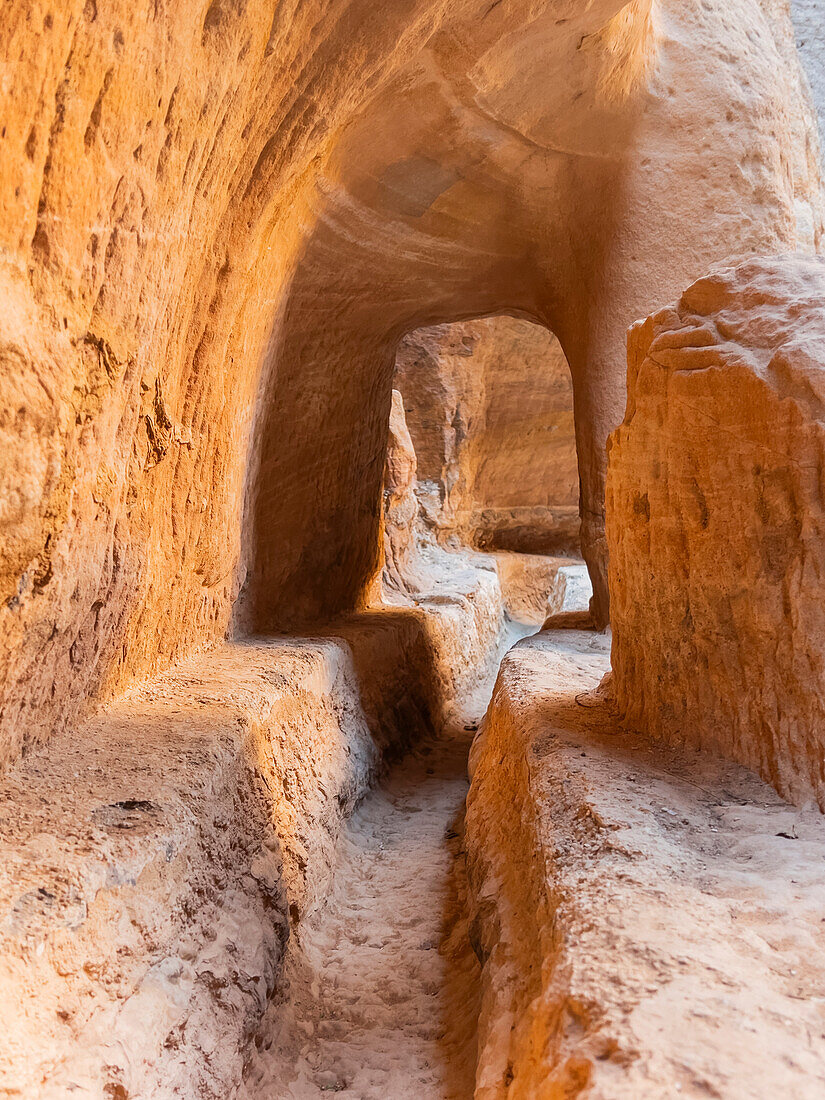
x,y
400,516
218,220
533,586
649,920
489,406
149,865
155,859
716,523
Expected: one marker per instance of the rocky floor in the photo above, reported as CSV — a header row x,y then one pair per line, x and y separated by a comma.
x,y
676,903
677,908
381,995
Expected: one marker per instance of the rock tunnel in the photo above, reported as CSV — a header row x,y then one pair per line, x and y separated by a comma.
x,y
332,334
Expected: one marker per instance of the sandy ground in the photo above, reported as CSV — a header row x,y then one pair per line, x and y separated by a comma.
x,y
381,998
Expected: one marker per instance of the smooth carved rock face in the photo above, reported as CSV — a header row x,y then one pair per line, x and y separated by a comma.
x,y
716,523
219,218
489,405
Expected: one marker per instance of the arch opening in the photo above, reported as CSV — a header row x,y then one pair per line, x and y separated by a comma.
x,y
482,457
489,407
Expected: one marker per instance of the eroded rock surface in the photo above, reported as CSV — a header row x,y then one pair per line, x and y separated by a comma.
x,y
649,920
810,40
400,514
219,219
156,859
150,863
716,523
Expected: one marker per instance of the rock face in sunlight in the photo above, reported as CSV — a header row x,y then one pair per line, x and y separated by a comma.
x,y
489,405
716,523
226,604
219,220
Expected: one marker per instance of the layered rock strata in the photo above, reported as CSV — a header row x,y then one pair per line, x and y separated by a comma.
x,y
649,920
716,523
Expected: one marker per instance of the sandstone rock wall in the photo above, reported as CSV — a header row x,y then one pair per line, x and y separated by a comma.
x,y
218,220
400,515
716,523
489,405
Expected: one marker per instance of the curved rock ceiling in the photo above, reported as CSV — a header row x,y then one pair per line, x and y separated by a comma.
x,y
218,219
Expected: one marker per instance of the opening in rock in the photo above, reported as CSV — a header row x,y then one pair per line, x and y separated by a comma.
x,y
381,993
483,456
489,407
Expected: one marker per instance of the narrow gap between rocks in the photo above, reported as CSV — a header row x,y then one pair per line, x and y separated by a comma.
x,y
379,995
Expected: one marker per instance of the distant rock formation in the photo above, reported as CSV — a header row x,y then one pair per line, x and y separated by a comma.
x,y
489,405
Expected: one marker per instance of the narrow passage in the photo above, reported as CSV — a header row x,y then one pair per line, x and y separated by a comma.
x,y
380,996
